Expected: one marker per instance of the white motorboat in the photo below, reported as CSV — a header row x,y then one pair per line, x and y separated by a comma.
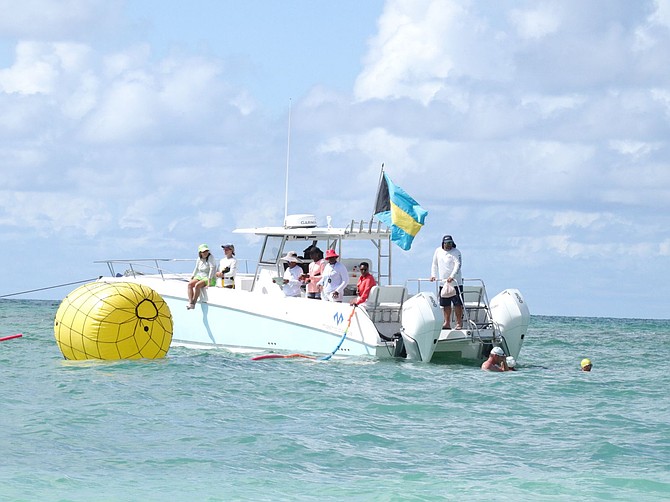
x,y
257,317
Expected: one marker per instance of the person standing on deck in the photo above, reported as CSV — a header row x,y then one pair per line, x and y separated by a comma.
x,y
228,267
365,283
291,280
314,276
334,278
446,267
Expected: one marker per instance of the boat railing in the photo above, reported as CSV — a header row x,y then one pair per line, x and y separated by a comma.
x,y
367,227
476,311
164,267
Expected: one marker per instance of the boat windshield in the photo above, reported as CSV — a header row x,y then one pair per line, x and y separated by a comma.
x,y
271,249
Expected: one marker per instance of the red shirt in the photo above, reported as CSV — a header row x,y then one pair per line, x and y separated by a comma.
x,y
365,283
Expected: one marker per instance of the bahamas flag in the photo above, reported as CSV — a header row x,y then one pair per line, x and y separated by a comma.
x,y
400,212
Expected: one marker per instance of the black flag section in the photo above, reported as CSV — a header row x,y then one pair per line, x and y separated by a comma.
x,y
383,202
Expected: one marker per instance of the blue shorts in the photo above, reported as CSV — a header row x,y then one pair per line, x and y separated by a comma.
x,y
456,300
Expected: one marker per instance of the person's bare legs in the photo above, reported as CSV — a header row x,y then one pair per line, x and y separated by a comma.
x,y
447,317
196,291
459,316
189,289
194,288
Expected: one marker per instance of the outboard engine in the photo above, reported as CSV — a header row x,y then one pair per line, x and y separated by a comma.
x,y
421,326
511,317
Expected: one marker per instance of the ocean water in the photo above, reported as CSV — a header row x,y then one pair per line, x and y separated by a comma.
x,y
212,425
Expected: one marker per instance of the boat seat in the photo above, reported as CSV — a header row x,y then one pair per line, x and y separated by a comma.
x,y
473,295
475,306
385,302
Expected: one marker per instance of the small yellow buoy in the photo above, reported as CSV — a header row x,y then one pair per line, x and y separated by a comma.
x,y
117,320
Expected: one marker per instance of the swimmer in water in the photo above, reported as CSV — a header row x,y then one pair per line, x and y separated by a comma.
x,y
496,359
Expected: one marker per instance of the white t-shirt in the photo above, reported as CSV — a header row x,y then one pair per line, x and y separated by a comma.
x,y
334,278
292,287
447,264
228,278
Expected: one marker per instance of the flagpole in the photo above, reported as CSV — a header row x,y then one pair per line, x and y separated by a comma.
x,y
288,151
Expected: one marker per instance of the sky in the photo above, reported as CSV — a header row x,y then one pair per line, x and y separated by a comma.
x,y
537,133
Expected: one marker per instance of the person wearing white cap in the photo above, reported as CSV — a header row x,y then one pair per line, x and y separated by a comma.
x,y
228,267
203,275
495,360
334,278
291,282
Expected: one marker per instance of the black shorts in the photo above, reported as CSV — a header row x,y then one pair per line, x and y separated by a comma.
x,y
456,300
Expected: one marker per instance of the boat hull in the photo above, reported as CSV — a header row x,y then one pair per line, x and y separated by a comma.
x,y
250,322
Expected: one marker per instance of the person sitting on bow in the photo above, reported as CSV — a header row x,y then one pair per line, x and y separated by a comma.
x,y
203,275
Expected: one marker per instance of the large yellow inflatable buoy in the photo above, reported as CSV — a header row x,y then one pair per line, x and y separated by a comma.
x,y
117,320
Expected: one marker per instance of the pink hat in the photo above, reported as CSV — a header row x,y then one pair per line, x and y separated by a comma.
x,y
331,253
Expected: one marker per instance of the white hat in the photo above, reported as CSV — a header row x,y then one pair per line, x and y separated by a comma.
x,y
291,256
497,351
511,362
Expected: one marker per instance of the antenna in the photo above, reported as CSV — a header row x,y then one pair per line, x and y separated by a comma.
x,y
288,153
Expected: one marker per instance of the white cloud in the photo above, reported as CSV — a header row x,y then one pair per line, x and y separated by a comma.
x,y
548,105
542,20
536,132
42,20
378,145
568,219
661,14
126,112
634,149
53,214
32,73
210,219
420,44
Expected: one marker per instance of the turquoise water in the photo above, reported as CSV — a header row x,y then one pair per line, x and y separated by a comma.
x,y
211,425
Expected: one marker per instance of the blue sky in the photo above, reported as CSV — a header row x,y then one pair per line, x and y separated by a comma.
x,y
535,132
